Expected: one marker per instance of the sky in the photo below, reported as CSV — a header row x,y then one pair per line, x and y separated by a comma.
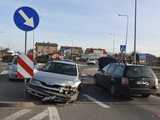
x,y
85,23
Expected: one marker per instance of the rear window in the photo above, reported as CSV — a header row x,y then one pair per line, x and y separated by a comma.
x,y
119,71
139,71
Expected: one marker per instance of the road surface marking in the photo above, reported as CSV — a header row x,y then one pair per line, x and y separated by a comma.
x,y
18,114
97,102
40,116
53,113
155,97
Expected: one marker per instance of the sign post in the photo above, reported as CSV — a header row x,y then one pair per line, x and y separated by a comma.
x,y
123,51
25,51
26,19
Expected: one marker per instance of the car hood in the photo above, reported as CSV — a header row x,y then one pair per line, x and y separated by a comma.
x,y
57,79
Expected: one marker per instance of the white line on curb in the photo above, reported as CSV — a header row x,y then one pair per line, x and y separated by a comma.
x,y
97,102
18,114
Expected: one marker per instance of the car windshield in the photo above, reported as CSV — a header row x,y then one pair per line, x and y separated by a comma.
x,y
61,68
139,71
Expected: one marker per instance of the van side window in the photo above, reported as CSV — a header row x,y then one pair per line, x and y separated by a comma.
x,y
105,69
118,72
111,69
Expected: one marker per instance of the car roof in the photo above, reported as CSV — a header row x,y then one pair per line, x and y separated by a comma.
x,y
129,65
135,65
64,62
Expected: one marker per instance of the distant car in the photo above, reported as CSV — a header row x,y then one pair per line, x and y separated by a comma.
x,y
92,62
121,79
58,81
12,69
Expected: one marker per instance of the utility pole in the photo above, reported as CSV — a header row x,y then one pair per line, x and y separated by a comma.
x,y
113,37
135,32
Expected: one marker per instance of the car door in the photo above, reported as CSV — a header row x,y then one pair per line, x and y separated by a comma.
x,y
100,75
117,76
107,76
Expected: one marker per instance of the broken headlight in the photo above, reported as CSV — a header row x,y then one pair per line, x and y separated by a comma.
x,y
67,89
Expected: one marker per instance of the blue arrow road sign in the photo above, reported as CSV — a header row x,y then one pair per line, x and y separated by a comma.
x,y
26,18
122,48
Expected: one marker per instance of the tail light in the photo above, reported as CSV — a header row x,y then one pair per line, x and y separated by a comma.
x,y
124,81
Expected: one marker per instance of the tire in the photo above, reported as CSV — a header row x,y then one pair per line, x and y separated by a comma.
x,y
146,95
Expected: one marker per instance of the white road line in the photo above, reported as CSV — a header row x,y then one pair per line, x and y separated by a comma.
x,y
18,114
40,116
155,97
53,113
97,102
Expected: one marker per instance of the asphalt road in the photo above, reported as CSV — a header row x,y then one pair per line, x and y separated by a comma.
x,y
93,104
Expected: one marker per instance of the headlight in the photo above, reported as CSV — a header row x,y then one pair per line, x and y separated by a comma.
x,y
61,89
68,89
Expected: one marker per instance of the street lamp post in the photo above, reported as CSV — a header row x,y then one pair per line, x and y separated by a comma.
x,y
114,36
135,32
127,24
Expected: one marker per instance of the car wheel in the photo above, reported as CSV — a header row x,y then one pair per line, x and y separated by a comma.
x,y
145,95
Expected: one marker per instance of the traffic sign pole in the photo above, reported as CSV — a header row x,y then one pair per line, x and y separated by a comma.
x,y
25,51
26,19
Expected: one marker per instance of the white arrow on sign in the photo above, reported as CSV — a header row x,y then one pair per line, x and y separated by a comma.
x,y
28,21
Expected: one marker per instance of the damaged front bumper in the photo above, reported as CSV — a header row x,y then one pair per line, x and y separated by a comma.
x,y
48,94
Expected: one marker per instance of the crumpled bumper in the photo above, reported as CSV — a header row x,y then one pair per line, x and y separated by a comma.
x,y
47,94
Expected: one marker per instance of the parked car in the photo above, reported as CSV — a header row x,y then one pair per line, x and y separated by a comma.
x,y
58,81
121,79
12,69
92,62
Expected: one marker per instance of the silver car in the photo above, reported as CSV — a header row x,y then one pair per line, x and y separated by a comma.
x,y
57,81
12,69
